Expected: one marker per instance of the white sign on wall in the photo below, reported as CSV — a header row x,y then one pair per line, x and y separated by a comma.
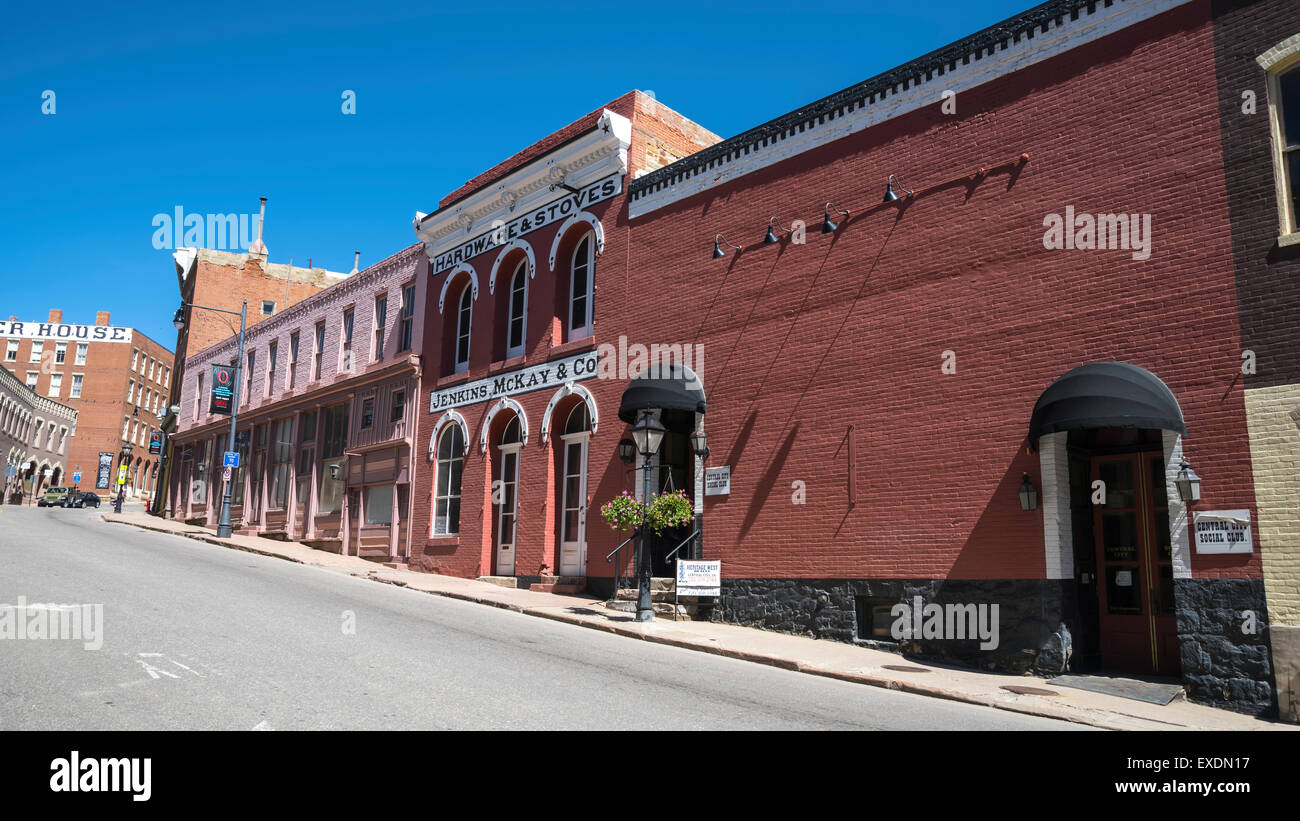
x,y
717,481
1223,531
697,578
551,374
553,212
58,330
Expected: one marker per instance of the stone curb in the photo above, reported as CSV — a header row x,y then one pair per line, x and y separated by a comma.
x,y
1102,721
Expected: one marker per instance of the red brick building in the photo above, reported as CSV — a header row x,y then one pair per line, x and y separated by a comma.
x,y
115,377
510,395
990,272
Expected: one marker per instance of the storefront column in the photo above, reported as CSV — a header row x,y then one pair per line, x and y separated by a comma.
x,y
1058,532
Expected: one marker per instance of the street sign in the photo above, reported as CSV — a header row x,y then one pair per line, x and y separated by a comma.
x,y
76,478
231,459
225,473
47,473
223,390
121,475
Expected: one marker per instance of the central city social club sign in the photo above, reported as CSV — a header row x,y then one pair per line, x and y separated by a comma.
x,y
552,212
547,375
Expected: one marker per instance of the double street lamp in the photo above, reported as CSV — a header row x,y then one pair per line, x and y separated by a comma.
x,y
223,524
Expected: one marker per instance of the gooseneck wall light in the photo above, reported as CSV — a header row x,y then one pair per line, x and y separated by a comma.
x,y
772,228
718,241
890,194
827,225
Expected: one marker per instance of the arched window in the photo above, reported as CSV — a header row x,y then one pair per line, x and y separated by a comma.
x,y
582,275
446,501
579,420
516,317
464,317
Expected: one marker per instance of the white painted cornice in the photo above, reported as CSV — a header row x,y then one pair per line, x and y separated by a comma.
x,y
583,160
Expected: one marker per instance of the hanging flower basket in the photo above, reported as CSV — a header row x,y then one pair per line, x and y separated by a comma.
x,y
669,510
623,512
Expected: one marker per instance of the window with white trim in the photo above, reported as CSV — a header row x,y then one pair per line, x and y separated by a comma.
x,y
60,352
464,319
11,351
1285,86
582,274
517,311
37,348
82,347
451,462
56,385
76,386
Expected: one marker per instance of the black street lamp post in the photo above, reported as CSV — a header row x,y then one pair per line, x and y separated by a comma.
x,y
648,433
223,524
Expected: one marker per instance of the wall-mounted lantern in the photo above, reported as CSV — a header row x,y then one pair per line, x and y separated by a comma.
x,y
626,450
700,443
1028,494
1189,484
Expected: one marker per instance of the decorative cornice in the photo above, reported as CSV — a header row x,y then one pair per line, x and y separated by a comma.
x,y
37,402
1042,32
588,157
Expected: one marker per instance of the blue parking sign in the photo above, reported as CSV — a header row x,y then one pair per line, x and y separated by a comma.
x,y
231,460
76,478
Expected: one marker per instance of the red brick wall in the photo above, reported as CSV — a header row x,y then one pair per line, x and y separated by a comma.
x,y
849,329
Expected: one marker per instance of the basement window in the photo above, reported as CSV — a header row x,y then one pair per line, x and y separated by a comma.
x,y
873,618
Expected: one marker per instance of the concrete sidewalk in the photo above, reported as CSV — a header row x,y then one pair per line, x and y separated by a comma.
x,y
806,655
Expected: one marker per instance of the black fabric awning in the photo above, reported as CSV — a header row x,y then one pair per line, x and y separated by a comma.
x,y
681,391
1105,395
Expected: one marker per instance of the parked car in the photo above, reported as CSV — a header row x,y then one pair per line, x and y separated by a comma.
x,y
54,497
89,500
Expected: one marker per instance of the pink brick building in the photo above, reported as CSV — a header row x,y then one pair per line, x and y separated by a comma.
x,y
326,418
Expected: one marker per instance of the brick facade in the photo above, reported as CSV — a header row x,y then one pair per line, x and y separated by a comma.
x,y
371,383
1253,40
119,390
35,435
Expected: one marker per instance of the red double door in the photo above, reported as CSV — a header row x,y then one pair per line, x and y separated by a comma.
x,y
1134,565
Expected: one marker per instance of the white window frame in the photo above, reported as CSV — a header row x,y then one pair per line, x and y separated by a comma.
x,y
74,391
38,347
464,328
1283,58
56,386
11,351
60,352
520,275
82,349
586,329
457,454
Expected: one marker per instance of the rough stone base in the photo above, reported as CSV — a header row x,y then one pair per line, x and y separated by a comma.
x,y
1031,631
1223,665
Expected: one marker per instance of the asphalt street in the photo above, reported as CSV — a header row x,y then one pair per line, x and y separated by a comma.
x,y
197,636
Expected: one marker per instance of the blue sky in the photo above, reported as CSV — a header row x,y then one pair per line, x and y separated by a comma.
x,y
210,106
